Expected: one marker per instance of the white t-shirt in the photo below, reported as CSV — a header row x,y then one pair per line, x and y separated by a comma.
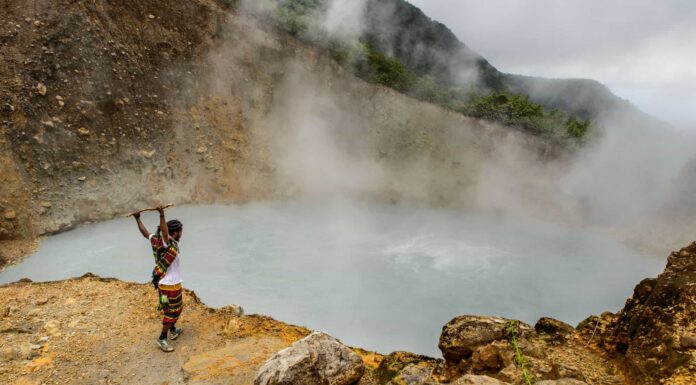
x,y
173,275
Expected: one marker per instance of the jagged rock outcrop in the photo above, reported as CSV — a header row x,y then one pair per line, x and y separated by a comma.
x,y
654,336
464,334
317,359
552,327
653,331
483,346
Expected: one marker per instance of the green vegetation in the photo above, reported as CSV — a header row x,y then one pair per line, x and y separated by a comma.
x,y
508,109
378,68
519,357
518,110
418,65
296,16
576,128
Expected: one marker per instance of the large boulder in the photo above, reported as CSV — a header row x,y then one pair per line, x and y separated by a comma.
x,y
464,334
552,327
317,359
557,332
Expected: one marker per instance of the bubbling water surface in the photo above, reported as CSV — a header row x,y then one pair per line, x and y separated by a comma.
x,y
381,277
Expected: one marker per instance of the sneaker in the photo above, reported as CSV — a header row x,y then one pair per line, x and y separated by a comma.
x,y
174,334
164,345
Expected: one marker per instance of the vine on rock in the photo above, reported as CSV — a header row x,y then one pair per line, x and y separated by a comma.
x,y
512,329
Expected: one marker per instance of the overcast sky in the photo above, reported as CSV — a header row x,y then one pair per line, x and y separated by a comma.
x,y
644,50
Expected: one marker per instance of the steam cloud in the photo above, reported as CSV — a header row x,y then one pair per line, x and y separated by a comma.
x,y
345,17
327,138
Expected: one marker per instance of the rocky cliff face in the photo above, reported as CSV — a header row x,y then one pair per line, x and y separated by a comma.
x,y
109,106
654,335
652,340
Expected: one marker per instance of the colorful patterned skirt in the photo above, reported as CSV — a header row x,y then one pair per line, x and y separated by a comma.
x,y
172,310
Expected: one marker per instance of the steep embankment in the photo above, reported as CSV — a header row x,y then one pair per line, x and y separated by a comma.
x,y
87,118
92,330
109,106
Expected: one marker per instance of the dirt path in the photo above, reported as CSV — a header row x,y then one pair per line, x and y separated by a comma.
x,y
97,331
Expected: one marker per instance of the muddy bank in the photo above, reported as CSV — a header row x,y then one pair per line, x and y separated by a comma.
x,y
13,251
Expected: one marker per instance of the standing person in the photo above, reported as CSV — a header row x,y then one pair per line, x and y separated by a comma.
x,y
166,276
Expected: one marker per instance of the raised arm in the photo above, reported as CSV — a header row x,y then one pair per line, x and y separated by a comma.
x,y
163,226
141,227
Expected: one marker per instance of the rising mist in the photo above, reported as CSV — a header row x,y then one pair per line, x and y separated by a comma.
x,y
325,143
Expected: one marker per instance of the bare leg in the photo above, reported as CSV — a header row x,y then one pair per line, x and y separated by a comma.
x,y
162,340
165,330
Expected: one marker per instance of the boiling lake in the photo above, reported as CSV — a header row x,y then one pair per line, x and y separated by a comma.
x,y
382,277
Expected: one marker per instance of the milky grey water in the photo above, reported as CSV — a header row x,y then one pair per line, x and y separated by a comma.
x,y
377,276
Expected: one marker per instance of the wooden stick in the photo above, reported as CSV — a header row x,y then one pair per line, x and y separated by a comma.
x,y
150,209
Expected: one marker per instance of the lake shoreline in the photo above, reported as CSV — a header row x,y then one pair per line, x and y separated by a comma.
x,y
384,264
45,326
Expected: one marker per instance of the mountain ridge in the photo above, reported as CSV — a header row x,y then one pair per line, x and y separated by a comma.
x,y
396,44
572,95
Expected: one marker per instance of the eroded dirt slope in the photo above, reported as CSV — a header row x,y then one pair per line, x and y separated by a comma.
x,y
111,105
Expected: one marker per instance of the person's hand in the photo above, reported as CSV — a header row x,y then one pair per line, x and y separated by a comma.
x,y
136,216
160,209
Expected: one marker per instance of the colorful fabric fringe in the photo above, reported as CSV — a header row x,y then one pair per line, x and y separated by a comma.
x,y
172,310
